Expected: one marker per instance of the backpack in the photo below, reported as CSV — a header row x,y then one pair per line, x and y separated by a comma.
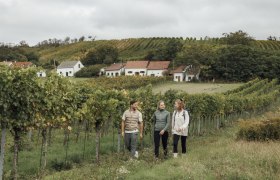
x,y
184,114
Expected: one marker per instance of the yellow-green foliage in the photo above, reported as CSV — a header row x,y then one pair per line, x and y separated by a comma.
x,y
260,130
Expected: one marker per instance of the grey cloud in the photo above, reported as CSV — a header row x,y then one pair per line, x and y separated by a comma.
x,y
34,20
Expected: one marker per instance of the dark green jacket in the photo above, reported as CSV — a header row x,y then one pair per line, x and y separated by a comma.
x,y
161,119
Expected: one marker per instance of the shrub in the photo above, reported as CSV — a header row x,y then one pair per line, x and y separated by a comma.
x,y
89,71
260,130
60,165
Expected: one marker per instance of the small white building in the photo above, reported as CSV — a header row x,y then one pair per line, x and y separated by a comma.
x,y
192,73
136,68
179,73
69,68
157,68
114,70
186,73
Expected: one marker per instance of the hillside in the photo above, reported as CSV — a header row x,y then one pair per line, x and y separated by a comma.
x,y
129,49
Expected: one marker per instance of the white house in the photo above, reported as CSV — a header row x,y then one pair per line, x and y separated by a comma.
x,y
137,68
191,73
69,68
157,68
179,73
114,70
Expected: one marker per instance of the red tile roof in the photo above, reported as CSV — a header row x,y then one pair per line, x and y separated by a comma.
x,y
158,65
22,64
137,64
114,67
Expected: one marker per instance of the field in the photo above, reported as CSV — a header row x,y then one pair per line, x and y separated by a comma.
x,y
195,88
215,156
71,130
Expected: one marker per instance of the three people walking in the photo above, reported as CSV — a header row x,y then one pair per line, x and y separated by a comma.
x,y
132,125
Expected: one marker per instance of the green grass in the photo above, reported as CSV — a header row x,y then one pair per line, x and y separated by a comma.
x,y
194,88
217,156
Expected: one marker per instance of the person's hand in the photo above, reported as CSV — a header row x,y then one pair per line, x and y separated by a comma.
x,y
141,136
122,134
161,132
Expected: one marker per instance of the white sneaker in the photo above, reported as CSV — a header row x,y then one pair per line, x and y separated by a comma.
x,y
136,154
175,155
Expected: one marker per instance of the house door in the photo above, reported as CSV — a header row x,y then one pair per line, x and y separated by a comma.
x,y
137,73
66,73
178,78
117,74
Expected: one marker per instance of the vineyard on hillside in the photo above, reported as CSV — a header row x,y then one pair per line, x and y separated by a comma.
x,y
132,48
89,112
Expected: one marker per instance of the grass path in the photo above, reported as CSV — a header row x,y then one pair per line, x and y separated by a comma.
x,y
194,88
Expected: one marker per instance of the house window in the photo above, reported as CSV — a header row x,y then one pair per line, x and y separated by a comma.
x,y
79,65
108,74
70,72
142,72
112,74
60,72
129,72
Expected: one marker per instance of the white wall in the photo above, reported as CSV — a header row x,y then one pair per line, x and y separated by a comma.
x,y
113,73
66,72
69,72
179,77
189,77
157,73
78,67
134,71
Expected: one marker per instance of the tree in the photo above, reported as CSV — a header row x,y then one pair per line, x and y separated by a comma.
x,y
67,40
166,51
58,104
90,71
23,44
196,55
98,109
238,37
103,54
6,83
82,38
22,104
237,63
272,38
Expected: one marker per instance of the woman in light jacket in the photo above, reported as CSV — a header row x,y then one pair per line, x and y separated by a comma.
x,y
180,123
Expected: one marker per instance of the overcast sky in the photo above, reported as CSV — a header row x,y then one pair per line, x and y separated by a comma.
x,y
37,20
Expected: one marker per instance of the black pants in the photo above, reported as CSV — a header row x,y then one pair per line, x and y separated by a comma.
x,y
164,139
183,143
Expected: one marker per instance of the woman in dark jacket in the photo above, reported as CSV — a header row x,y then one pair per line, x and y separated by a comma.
x,y
161,119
